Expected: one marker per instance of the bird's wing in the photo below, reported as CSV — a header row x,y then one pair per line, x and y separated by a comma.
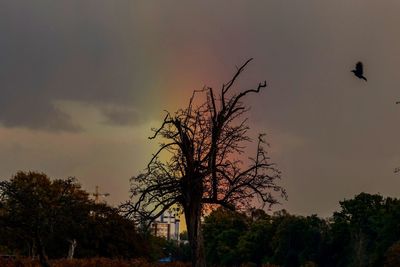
x,y
359,67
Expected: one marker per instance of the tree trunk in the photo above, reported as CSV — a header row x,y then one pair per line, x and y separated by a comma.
x,y
192,204
40,249
361,255
193,224
72,246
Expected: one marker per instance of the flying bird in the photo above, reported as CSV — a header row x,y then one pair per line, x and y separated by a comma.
x,y
359,70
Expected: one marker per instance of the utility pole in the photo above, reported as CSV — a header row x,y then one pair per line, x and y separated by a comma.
x,y
97,195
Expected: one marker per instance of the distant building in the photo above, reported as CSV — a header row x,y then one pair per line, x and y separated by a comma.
x,y
167,226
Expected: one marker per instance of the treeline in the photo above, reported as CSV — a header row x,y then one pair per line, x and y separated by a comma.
x,y
365,232
50,219
44,218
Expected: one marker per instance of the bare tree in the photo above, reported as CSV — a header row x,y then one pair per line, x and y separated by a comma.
x,y
204,143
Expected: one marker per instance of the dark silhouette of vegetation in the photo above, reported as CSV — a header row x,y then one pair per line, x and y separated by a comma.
x,y
36,209
204,143
233,238
92,262
365,232
40,217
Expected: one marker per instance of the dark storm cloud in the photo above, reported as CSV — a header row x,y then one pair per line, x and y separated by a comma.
x,y
334,136
122,116
52,51
36,115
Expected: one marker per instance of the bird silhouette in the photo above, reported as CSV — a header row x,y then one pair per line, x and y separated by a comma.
x,y
359,71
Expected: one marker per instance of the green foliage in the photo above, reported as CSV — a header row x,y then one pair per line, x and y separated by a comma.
x,y
177,250
107,234
37,213
40,215
298,239
254,244
364,229
222,230
365,233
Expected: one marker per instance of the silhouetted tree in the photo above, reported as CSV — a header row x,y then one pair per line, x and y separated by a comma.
x,y
364,233
365,228
255,244
203,142
222,231
39,216
106,233
298,240
37,209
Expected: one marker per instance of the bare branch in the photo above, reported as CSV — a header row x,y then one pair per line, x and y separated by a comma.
x,y
162,126
227,86
206,143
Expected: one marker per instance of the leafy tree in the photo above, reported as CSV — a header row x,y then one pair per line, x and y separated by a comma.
x,y
363,217
338,244
37,209
371,224
108,234
233,238
222,231
255,244
203,142
365,232
298,239
389,228
43,216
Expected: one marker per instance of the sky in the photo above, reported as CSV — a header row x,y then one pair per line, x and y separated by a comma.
x,y
83,82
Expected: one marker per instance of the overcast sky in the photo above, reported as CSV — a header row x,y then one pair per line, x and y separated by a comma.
x,y
82,83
